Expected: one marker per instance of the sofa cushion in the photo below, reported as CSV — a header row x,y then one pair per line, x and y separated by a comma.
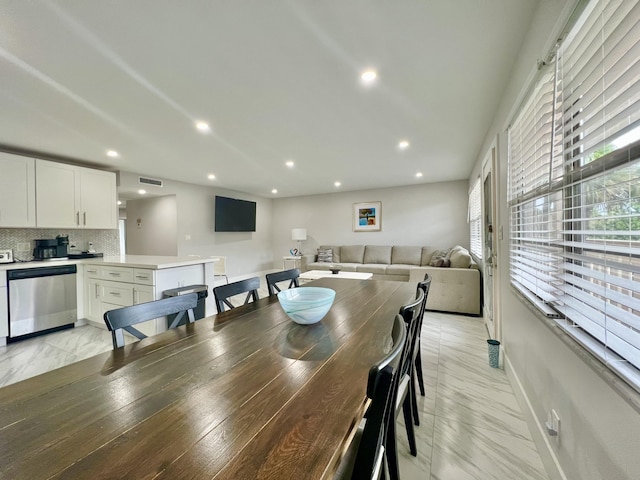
x,y
377,254
437,257
460,257
427,253
379,268
319,266
335,251
349,267
399,269
406,255
325,255
351,254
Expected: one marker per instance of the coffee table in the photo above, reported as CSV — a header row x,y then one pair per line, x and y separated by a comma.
x,y
315,274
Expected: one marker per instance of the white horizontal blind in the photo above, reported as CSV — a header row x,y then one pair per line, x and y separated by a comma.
x,y
536,211
475,220
599,87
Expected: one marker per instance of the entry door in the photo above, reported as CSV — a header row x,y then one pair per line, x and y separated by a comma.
x,y
489,239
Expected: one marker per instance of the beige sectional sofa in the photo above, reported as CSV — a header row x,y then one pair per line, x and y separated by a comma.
x,y
453,289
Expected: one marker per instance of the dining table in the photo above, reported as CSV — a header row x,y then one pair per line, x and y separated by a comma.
x,y
245,394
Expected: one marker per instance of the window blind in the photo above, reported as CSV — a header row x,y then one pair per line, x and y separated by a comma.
x,y
599,85
475,220
574,186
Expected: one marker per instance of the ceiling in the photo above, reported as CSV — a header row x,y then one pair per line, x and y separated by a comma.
x,y
276,81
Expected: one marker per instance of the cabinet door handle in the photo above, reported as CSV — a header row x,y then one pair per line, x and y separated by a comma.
x,y
142,277
77,218
97,291
84,218
92,271
115,294
135,296
114,274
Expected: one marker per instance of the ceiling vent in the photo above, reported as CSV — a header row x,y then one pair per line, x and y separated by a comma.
x,y
150,181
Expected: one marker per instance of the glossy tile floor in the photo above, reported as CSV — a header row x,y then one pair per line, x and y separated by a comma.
x,y
471,424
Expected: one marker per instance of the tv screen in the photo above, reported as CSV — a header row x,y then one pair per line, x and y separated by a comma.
x,y
233,215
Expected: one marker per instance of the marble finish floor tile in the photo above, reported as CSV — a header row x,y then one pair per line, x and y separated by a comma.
x,y
463,452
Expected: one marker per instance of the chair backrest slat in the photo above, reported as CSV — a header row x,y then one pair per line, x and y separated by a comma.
x,y
124,318
222,293
274,278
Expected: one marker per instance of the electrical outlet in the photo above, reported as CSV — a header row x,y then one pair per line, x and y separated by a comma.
x,y
24,247
553,423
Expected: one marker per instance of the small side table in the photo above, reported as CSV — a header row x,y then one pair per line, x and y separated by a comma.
x,y
291,258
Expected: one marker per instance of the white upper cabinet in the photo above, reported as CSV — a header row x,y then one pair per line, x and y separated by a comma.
x,y
17,191
98,199
74,197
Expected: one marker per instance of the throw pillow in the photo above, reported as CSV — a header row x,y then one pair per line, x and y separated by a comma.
x,y
460,257
439,255
325,255
442,262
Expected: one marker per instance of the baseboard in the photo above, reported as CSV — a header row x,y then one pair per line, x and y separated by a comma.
x,y
547,454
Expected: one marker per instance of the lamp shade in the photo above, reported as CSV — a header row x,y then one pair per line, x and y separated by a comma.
x,y
298,234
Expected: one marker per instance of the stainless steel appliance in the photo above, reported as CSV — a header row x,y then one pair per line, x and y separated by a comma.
x,y
41,299
6,256
51,248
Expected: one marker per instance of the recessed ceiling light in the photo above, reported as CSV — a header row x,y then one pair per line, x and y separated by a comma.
x,y
275,190
337,184
112,154
203,127
369,76
119,202
211,176
290,164
419,174
403,144
142,192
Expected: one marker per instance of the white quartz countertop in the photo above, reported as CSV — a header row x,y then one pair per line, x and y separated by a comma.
x,y
154,262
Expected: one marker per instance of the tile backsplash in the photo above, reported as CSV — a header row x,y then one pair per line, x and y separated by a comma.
x,y
105,241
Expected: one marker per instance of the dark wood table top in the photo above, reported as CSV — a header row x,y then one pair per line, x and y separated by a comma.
x,y
246,394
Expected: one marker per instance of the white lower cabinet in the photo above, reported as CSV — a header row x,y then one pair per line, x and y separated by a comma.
x,y
4,315
108,288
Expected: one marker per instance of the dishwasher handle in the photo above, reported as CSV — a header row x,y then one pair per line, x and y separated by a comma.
x,y
22,273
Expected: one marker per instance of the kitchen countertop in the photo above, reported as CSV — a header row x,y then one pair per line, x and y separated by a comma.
x,y
154,262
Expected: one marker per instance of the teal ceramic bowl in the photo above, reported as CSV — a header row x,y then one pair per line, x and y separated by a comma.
x,y
306,305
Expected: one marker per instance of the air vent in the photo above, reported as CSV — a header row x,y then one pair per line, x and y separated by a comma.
x,y
150,181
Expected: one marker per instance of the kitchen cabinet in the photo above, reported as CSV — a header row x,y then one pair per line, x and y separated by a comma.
x,y
4,309
17,191
69,196
110,287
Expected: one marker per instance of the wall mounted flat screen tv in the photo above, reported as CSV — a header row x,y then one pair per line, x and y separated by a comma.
x,y
233,215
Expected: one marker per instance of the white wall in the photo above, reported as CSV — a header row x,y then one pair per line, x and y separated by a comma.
x,y
427,214
151,226
245,252
600,430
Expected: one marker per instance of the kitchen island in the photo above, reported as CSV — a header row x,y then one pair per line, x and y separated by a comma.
x,y
116,281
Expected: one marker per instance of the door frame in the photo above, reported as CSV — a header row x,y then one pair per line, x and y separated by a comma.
x,y
490,168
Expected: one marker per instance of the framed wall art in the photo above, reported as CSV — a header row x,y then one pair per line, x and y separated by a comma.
x,y
367,216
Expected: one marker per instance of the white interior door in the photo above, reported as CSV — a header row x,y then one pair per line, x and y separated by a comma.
x,y
489,239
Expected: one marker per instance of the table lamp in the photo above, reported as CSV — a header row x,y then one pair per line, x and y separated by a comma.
x,y
299,234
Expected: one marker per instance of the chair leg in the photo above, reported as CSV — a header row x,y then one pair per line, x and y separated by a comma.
x,y
408,422
414,398
391,450
419,370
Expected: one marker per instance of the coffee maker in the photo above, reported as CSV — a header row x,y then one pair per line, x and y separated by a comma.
x,y
47,249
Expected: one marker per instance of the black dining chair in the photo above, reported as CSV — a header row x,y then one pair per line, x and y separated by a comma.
x,y
404,394
222,293
365,456
122,319
424,286
274,278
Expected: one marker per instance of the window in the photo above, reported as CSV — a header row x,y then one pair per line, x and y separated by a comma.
x,y
475,220
574,186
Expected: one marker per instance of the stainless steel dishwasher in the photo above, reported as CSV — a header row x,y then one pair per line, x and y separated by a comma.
x,y
41,299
